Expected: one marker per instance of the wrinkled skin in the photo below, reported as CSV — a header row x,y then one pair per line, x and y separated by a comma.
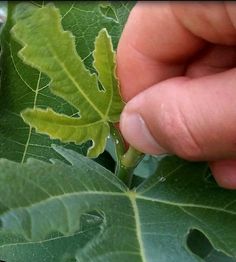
x,y
176,65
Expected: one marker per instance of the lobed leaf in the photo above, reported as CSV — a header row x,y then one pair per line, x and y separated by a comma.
x,y
45,221
51,50
25,87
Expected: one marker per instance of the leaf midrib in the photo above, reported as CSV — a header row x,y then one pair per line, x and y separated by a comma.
x,y
138,225
69,124
70,76
130,195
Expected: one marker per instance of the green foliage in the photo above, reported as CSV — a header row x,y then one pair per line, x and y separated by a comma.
x,y
25,87
52,51
148,224
70,208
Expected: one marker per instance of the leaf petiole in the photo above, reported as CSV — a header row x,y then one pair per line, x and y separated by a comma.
x,y
118,141
131,158
126,160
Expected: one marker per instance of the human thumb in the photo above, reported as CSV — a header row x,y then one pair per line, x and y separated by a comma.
x,y
192,118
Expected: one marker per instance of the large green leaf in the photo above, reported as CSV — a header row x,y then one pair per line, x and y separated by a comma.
x,y
22,86
149,224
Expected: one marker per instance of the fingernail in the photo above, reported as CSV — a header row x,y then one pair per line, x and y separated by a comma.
x,y
136,133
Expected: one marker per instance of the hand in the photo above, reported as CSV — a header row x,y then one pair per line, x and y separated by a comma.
x,y
176,65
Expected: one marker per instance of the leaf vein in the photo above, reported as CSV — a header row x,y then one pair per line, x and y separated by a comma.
x,y
138,226
186,205
70,76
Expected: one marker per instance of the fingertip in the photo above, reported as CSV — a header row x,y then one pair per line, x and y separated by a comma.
x,y
136,132
224,173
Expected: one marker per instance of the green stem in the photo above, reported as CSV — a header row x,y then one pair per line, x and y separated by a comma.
x,y
126,161
131,158
118,141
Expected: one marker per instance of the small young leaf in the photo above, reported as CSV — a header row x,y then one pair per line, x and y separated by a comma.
x,y
51,50
23,86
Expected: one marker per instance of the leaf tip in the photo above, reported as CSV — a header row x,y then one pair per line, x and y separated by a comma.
x,y
103,33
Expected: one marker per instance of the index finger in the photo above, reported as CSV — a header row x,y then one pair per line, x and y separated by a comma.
x,y
160,38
